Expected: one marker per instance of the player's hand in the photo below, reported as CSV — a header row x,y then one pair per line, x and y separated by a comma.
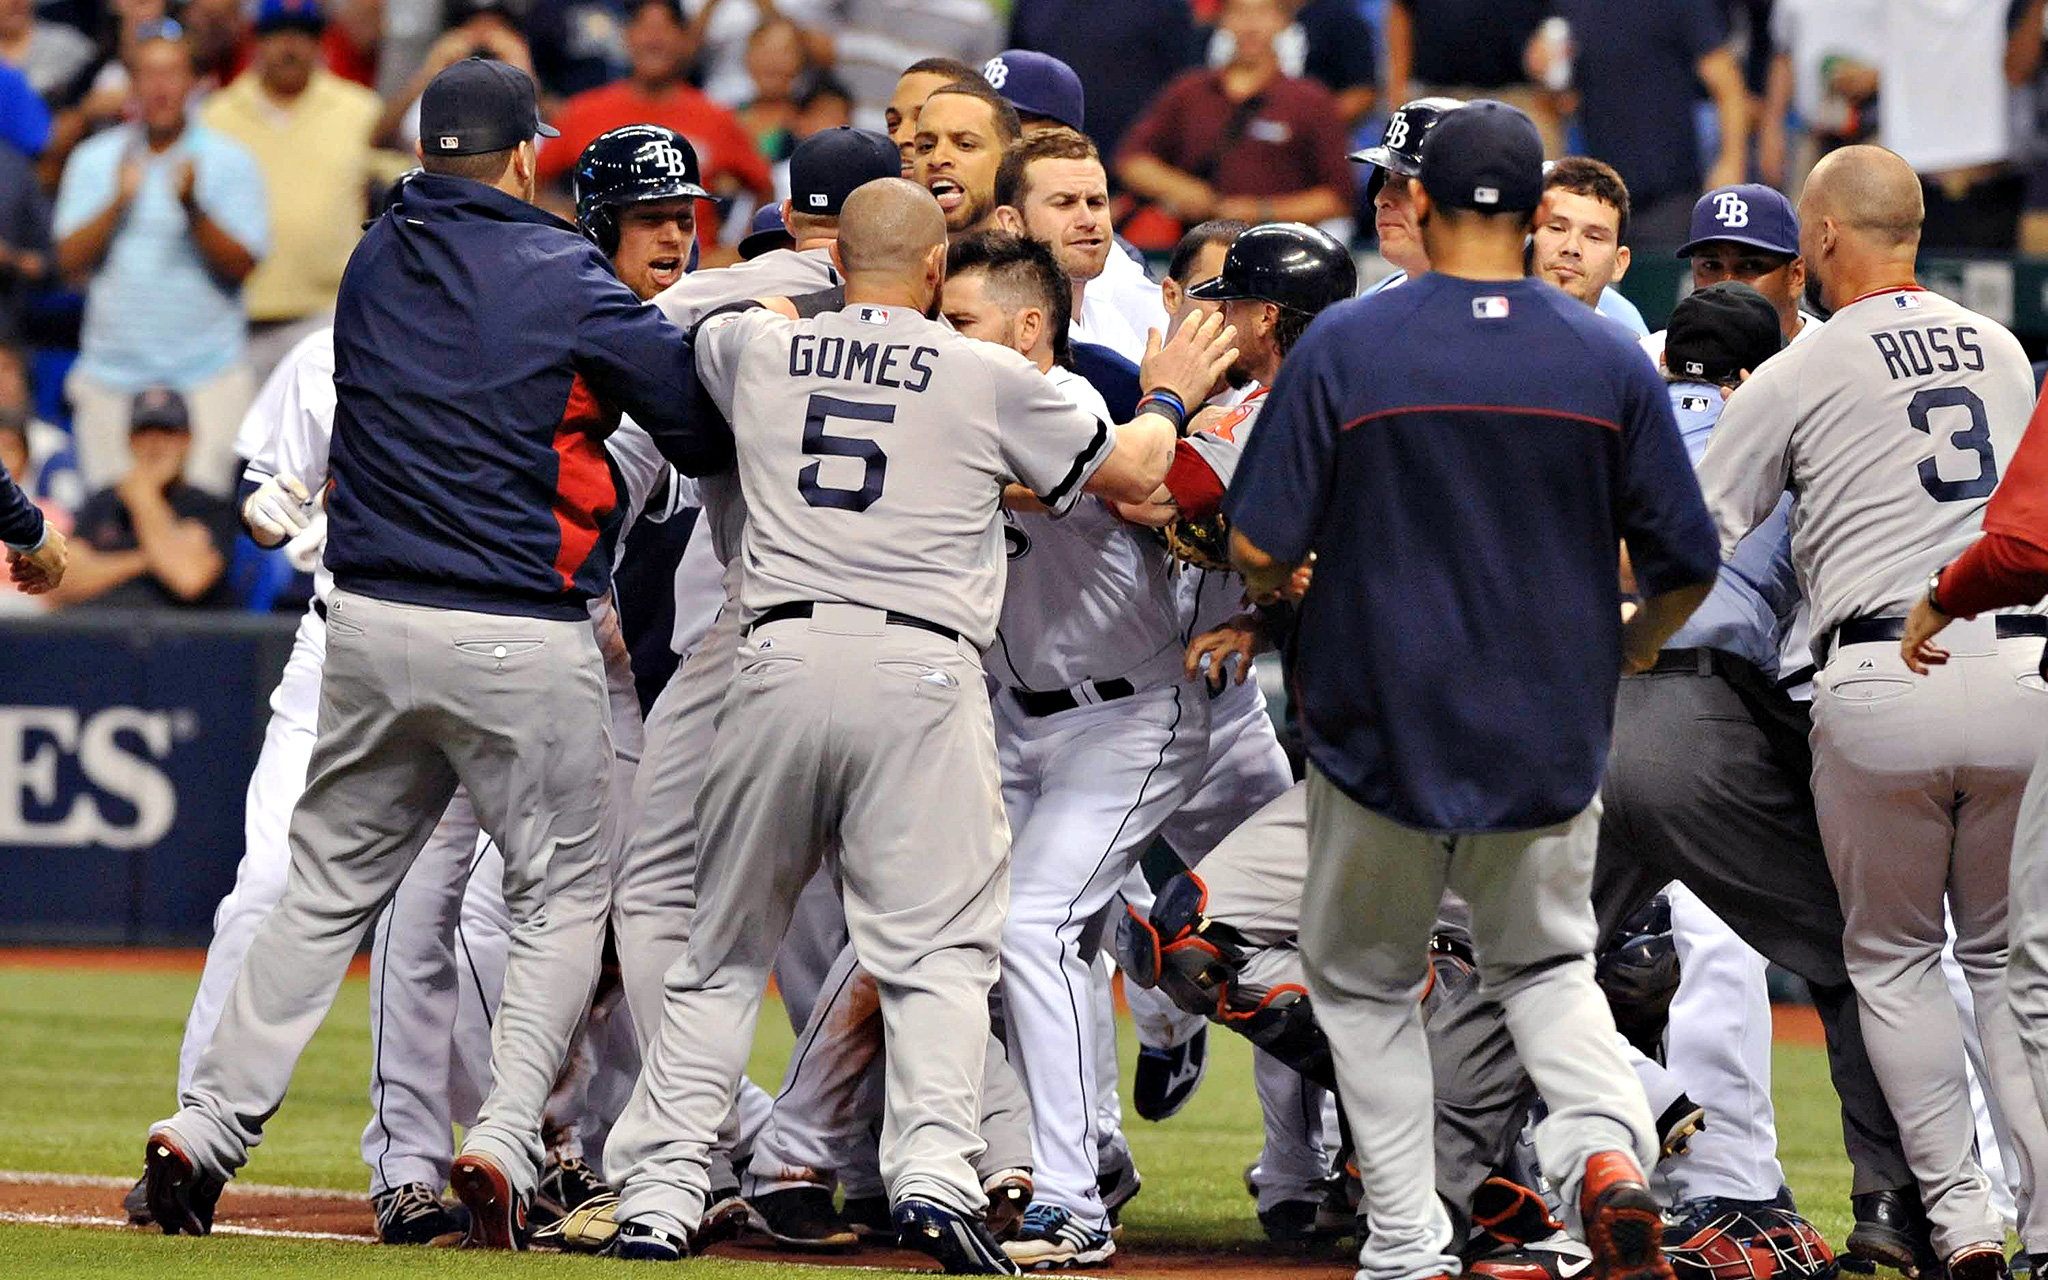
x,y
1297,582
1191,363
278,511
186,182
1209,654
39,571
1917,646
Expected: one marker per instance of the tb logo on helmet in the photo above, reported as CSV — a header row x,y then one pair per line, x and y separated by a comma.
x,y
664,156
1397,132
995,71
1731,210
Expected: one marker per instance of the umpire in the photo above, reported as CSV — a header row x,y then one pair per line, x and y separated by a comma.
x,y
1456,659
483,351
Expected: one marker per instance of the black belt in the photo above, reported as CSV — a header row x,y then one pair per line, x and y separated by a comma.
x,y
320,609
804,609
2011,626
1694,661
1051,704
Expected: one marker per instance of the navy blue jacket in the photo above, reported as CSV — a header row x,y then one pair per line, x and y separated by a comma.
x,y
483,350
1112,375
1465,458
20,522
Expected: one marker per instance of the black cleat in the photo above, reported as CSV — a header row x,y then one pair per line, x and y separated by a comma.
x,y
180,1197
415,1214
1892,1230
959,1241
802,1218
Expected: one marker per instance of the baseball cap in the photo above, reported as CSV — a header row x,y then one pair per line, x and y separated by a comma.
x,y
1037,84
1748,213
479,105
290,15
158,409
766,234
1718,331
1486,155
832,164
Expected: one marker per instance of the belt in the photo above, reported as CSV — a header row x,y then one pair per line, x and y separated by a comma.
x,y
804,609
1058,700
2010,626
1693,661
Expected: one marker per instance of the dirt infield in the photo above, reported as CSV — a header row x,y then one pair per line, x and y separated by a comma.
x,y
295,1214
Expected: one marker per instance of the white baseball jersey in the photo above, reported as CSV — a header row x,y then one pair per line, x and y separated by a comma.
x,y
1209,598
874,445
1892,424
1090,596
1119,306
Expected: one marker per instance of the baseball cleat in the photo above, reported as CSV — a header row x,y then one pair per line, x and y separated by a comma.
x,y
802,1218
180,1195
1167,1078
1050,1238
497,1216
415,1214
563,1188
1009,1195
958,1241
1560,1258
136,1203
1624,1227
1118,1184
869,1217
1979,1262
638,1243
1891,1230
725,1218
1298,1222
1682,1119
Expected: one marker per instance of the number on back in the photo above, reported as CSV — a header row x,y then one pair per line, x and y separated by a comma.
x,y
875,462
1975,438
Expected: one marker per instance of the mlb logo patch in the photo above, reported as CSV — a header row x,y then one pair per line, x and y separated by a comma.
x,y
449,142
1490,308
872,315
1696,369
817,199
1905,302
1486,195
1695,404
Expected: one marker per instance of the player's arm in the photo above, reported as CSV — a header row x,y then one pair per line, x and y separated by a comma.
x,y
1175,374
637,361
1673,555
286,437
1748,463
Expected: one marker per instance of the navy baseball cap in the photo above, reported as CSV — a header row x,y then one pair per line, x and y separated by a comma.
x,y
1037,84
290,15
766,234
158,409
831,164
479,105
1748,213
1718,331
1486,155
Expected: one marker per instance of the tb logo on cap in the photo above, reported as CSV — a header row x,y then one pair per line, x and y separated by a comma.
x,y
1731,210
995,71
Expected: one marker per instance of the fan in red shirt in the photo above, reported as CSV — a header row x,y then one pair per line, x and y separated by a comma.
x,y
654,92
2007,566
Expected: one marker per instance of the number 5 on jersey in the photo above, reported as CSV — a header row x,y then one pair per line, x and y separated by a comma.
x,y
816,441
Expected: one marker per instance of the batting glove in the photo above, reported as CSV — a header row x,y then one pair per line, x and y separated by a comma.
x,y
277,510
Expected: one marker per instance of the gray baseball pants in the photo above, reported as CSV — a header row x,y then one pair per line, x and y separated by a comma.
x,y
839,732
1917,784
1368,906
415,701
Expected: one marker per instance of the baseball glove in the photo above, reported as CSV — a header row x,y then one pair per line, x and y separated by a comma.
x,y
588,1228
1754,1244
1203,543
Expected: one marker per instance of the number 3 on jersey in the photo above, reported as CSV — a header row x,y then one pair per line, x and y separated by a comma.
x,y
1976,438
875,462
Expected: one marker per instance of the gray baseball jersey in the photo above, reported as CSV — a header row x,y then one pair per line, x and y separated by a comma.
x,y
819,407
781,273
1893,424
1089,596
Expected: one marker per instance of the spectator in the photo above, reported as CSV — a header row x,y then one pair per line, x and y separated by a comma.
x,y
1246,141
476,28
1125,53
778,72
1824,74
52,55
24,239
24,120
219,32
1328,43
874,40
165,219
578,45
825,105
1638,67
1471,49
722,39
349,47
49,470
1948,113
152,540
657,39
309,131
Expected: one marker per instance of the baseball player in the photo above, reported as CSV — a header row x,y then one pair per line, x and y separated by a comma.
x,y
35,550
963,131
1893,425
488,643
1424,775
913,86
858,719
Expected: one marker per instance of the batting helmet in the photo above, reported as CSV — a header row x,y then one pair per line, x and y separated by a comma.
x,y
1288,264
630,165
1755,1243
1400,151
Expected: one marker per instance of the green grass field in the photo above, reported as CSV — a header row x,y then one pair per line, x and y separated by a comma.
x,y
91,1056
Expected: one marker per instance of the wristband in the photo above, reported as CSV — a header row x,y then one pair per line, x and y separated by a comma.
x,y
1933,583
1167,404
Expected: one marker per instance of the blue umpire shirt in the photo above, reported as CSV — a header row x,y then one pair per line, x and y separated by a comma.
x,y
1757,592
1465,458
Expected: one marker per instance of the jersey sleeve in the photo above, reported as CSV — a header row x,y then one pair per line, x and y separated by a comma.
x,y
641,466
290,428
641,364
1659,512
1282,483
1748,462
719,342
21,525
1048,445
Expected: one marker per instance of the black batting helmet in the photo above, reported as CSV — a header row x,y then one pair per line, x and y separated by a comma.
x,y
629,165
1288,264
1400,151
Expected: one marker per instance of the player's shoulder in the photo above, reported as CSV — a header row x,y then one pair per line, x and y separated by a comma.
x,y
1080,391
314,354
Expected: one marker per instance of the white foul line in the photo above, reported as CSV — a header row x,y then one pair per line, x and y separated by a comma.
x,y
18,1178
222,1229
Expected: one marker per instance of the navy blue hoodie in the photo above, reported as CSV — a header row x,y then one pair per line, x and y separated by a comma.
x,y
483,350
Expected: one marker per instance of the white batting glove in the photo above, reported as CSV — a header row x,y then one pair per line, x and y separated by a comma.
x,y
278,510
305,551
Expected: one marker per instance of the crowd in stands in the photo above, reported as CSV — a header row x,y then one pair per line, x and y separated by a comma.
x,y
181,181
